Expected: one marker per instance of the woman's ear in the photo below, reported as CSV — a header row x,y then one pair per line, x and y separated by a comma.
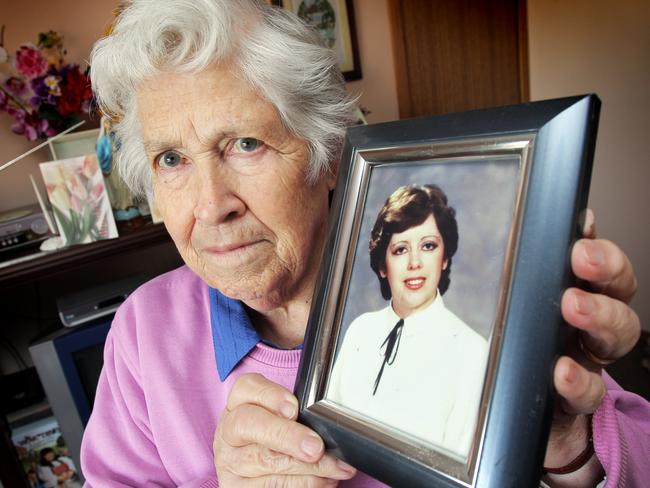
x,y
444,264
382,273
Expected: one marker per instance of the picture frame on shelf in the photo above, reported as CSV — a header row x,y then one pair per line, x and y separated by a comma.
x,y
414,388
334,20
79,200
74,144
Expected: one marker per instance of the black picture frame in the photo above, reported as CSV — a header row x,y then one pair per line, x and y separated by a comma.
x,y
553,142
347,35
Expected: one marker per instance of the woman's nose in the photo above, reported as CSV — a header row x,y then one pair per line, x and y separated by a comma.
x,y
217,202
414,260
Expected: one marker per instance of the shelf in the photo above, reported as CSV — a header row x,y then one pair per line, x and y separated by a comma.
x,y
41,264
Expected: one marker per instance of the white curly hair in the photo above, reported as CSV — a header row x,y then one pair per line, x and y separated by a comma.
x,y
276,53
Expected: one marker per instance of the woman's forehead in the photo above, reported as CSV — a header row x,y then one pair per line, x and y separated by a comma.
x,y
214,103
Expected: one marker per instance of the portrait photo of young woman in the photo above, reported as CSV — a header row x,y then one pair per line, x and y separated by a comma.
x,y
411,249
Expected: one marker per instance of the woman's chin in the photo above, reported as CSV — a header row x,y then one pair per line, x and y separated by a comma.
x,y
412,305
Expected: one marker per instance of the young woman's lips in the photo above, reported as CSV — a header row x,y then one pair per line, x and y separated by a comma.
x,y
414,283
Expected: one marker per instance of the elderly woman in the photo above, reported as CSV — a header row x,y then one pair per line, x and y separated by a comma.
x,y
378,370
232,114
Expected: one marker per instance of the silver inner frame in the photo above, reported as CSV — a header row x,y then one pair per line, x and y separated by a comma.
x,y
363,162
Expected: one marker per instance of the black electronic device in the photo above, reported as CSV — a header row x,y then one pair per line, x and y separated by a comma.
x,y
20,390
22,227
96,302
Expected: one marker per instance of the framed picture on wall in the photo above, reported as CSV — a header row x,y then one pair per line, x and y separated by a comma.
x,y
334,21
436,321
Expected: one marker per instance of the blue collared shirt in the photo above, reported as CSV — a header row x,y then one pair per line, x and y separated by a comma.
x,y
233,334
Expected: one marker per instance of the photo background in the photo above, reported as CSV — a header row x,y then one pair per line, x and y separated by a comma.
x,y
482,191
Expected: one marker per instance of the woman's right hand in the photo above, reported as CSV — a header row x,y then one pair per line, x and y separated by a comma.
x,y
258,442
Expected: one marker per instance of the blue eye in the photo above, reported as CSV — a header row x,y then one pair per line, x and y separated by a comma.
x,y
247,144
169,159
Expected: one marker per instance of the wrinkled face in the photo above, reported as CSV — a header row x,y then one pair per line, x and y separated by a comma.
x,y
229,181
414,262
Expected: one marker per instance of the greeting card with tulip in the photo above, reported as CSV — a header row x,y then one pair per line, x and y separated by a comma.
x,y
42,93
76,190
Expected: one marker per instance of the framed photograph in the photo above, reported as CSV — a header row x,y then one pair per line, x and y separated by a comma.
x,y
436,320
77,192
334,21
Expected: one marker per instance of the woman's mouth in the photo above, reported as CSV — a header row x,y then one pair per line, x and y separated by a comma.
x,y
414,283
236,251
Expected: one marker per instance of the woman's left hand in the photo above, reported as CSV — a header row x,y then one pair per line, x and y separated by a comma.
x,y
608,328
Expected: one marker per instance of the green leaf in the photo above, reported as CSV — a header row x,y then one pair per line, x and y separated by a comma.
x,y
87,221
48,112
66,227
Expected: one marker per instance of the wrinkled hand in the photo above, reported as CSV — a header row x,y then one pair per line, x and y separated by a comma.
x,y
607,327
258,442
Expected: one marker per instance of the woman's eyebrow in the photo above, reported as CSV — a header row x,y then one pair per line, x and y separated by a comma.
x,y
158,146
432,236
402,241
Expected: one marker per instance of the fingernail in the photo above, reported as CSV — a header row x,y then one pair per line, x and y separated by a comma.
x,y
593,253
287,409
584,304
311,445
343,466
589,222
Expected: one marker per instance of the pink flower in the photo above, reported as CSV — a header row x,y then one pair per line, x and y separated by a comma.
x,y
16,86
22,128
90,167
97,191
30,62
30,126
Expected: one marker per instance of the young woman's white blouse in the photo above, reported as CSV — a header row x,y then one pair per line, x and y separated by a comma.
x,y
431,392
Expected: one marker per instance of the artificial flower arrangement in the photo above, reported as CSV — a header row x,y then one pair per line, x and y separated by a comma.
x,y
43,94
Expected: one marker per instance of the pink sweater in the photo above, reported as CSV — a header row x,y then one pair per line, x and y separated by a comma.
x,y
159,398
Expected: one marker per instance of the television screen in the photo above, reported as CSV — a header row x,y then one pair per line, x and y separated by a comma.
x,y
88,365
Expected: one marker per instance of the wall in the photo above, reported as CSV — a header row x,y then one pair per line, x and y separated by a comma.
x,y
377,88
602,46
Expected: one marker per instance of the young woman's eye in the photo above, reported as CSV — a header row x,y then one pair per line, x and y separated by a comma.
x,y
247,144
429,246
169,159
399,250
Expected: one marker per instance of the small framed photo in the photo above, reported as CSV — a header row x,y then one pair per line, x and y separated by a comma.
x,y
436,320
77,192
334,21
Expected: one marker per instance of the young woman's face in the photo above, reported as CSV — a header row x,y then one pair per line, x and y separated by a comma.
x,y
414,263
